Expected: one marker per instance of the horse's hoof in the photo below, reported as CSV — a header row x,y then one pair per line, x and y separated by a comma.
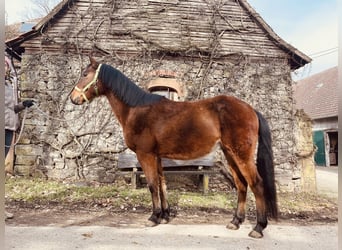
x,y
165,221
232,226
255,234
150,223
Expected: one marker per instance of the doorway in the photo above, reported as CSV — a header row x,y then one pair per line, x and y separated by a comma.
x,y
333,148
326,143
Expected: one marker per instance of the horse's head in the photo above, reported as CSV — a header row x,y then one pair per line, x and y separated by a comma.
x,y
89,86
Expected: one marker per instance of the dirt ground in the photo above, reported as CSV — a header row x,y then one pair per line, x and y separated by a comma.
x,y
97,214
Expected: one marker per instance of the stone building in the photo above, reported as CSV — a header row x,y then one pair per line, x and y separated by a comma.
x,y
186,49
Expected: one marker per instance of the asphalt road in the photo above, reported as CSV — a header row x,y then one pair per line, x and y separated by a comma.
x,y
327,181
168,236
276,236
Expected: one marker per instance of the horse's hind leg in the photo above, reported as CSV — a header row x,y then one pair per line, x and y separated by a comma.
x,y
245,174
254,181
256,185
241,186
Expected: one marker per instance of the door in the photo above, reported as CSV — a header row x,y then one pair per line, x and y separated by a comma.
x,y
320,153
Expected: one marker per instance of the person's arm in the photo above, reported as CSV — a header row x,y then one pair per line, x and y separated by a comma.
x,y
21,106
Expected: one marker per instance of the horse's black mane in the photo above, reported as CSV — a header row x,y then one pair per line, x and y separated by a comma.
x,y
125,89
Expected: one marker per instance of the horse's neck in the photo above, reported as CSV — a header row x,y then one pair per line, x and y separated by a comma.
x,y
119,108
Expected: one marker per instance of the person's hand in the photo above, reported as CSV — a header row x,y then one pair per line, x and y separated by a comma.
x,y
28,103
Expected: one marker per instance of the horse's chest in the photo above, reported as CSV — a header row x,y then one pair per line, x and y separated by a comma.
x,y
138,137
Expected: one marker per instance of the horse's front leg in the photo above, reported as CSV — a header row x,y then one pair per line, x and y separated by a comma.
x,y
164,202
163,193
149,164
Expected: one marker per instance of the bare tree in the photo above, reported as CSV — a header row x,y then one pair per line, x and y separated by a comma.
x,y
40,8
36,9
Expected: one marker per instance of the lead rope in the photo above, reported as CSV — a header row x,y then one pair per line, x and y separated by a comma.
x,y
43,113
54,118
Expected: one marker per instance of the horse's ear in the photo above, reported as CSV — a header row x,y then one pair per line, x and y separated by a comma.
x,y
93,62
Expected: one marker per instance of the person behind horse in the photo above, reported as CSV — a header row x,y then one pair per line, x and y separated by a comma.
x,y
11,112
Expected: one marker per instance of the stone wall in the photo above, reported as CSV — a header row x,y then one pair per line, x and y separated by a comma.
x,y
65,141
305,150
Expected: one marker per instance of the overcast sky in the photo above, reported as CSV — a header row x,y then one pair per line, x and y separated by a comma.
x,y
309,25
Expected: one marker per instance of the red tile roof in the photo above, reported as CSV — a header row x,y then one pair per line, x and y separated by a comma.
x,y
318,94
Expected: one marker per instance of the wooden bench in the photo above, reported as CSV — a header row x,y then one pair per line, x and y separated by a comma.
x,y
128,164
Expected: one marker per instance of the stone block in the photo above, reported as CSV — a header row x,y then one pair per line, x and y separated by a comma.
x,y
22,170
29,149
60,174
28,160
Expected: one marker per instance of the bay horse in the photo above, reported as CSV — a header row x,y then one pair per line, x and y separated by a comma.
x,y
155,127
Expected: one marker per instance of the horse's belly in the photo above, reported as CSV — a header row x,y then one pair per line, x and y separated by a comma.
x,y
187,149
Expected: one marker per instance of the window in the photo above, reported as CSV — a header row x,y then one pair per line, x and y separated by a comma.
x,y
168,92
165,86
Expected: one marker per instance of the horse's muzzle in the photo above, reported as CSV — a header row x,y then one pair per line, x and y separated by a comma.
x,y
76,100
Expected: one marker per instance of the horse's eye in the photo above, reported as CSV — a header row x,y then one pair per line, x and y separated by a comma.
x,y
84,74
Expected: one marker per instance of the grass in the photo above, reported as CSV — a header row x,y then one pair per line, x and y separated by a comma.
x,y
32,190
41,191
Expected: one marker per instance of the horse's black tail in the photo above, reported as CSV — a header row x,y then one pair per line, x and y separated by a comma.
x,y
265,166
